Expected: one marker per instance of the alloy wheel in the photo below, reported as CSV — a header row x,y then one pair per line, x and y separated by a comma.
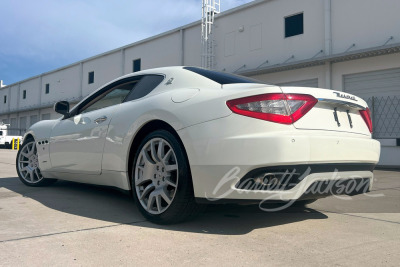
x,y
156,176
28,163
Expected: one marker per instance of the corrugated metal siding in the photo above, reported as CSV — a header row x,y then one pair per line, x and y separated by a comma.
x,y
381,89
302,83
375,83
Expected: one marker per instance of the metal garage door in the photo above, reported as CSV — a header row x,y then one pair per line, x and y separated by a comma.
x,y
381,89
302,83
376,83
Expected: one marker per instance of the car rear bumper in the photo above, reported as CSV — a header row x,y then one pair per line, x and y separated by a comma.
x,y
224,151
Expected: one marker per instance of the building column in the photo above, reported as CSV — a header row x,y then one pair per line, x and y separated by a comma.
x,y
81,79
328,75
181,31
328,27
122,61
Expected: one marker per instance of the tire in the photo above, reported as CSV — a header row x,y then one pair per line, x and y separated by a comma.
x,y
27,165
161,180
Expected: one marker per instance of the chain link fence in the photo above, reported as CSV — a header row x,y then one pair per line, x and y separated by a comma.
x,y
385,116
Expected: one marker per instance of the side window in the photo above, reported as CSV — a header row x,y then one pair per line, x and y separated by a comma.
x,y
145,86
114,96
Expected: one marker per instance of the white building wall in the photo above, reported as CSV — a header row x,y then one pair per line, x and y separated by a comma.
x,y
106,68
64,84
317,72
160,52
236,48
32,88
14,93
192,46
366,23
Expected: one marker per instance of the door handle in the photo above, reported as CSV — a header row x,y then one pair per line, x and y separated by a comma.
x,y
100,120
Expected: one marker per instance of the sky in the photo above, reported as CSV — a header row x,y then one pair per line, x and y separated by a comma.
x,y
39,36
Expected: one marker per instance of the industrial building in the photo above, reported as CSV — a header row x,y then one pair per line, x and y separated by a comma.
x,y
351,46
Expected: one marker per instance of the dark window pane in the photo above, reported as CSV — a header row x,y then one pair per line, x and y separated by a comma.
x,y
91,77
137,65
5,99
145,86
47,88
294,25
24,94
222,77
111,97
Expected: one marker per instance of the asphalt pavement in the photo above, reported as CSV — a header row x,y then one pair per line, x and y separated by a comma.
x,y
77,224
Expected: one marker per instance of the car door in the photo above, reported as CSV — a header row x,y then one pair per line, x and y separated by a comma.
x,y
77,142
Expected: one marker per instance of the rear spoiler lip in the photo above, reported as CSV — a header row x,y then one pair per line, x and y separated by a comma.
x,y
342,103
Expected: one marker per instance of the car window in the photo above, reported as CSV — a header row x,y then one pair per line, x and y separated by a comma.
x,y
222,77
114,96
145,86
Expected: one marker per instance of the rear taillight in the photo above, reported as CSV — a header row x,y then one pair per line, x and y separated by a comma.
x,y
366,115
279,108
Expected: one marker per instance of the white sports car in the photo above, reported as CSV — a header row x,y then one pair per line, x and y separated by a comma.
x,y
179,136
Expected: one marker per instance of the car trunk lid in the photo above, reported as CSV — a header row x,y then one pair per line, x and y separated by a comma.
x,y
335,111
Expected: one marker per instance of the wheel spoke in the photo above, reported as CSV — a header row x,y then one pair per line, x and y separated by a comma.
x,y
147,159
165,196
150,202
37,173
171,183
167,155
31,175
169,168
153,151
158,202
25,169
160,150
143,178
147,190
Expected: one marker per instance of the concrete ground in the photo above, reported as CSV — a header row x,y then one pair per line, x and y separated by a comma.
x,y
76,224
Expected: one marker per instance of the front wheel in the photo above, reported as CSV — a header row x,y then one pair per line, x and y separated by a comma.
x,y
27,164
161,180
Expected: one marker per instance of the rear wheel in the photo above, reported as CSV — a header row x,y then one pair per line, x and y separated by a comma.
x,y
161,180
28,166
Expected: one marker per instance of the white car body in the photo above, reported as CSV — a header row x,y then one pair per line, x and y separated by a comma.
x,y
218,142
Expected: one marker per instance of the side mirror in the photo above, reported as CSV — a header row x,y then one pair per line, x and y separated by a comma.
x,y
62,107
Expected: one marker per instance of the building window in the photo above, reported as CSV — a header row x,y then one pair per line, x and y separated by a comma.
x,y
24,94
137,65
294,25
47,88
91,77
5,99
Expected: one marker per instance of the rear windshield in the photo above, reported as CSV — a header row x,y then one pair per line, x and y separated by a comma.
x,y
222,77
